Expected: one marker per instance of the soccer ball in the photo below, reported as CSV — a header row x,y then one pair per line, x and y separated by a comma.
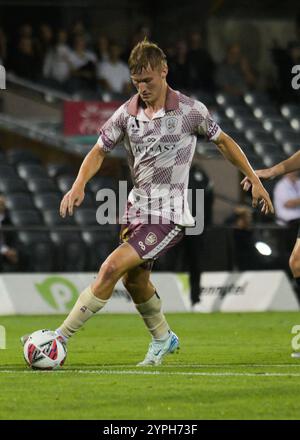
x,y
44,351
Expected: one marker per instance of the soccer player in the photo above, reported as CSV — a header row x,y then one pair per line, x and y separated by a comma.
x,y
158,127
284,167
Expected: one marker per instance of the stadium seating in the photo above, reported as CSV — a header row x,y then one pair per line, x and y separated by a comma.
x,y
52,218
254,99
57,169
248,149
2,158
71,252
19,201
7,171
226,100
271,159
269,148
266,132
266,112
244,124
295,123
258,136
238,111
208,149
43,184
85,217
272,124
238,136
290,148
30,171
89,201
226,125
290,111
100,182
99,245
65,182
26,217
11,185
286,135
17,156
36,250
44,201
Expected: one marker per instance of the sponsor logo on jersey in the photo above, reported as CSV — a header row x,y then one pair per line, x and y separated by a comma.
x,y
152,149
171,124
151,239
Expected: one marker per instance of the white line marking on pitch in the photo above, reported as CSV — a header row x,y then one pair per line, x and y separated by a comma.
x,y
209,365
153,373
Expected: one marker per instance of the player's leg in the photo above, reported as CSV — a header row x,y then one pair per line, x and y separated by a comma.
x,y
151,241
95,296
148,304
294,263
147,301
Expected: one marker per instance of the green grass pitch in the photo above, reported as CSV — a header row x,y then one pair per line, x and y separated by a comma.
x,y
230,366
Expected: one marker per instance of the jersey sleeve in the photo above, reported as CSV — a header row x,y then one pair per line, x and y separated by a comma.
x,y
113,131
205,123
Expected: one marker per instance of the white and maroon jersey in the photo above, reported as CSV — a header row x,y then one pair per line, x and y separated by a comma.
x,y
160,152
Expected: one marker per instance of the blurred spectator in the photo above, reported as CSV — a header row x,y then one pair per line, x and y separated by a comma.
x,y
44,42
45,37
170,51
26,31
57,64
113,74
194,245
200,64
246,257
141,32
102,48
178,76
3,47
79,30
25,62
287,199
83,66
234,75
8,254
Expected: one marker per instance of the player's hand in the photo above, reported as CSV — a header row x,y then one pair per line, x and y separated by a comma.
x,y
264,174
261,197
74,197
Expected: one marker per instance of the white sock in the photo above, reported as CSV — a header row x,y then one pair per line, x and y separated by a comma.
x,y
85,307
153,317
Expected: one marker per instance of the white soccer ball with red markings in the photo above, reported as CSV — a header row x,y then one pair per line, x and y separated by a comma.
x,y
44,350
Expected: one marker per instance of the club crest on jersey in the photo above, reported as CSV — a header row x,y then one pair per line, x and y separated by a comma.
x,y
171,124
151,239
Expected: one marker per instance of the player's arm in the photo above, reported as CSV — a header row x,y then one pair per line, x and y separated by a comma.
x,y
287,166
89,167
231,151
284,167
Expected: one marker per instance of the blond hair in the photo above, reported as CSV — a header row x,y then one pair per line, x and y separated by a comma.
x,y
146,54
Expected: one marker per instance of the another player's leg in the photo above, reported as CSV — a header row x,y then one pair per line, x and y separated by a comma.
x,y
95,296
148,304
295,268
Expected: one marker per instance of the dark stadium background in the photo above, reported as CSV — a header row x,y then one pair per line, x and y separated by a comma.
x,y
265,121
232,365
